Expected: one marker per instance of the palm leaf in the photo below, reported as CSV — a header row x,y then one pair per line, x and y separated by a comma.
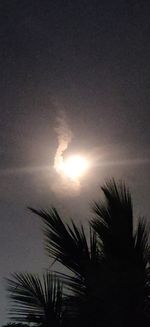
x,y
34,299
114,220
141,239
142,259
66,244
69,245
127,253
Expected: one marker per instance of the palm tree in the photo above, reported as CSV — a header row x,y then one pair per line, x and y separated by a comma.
x,y
108,283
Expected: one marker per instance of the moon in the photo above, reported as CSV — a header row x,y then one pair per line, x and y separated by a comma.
x,y
75,166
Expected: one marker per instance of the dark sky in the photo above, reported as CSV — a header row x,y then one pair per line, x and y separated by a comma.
x,y
89,59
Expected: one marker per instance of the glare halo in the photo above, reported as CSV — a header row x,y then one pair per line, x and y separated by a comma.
x,y
75,166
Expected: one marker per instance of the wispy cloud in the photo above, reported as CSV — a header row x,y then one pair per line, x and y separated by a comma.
x,y
64,136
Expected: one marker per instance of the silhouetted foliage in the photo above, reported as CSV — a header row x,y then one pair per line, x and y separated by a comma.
x,y
37,300
109,280
15,324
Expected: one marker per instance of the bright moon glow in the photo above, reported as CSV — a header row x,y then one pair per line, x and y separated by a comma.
x,y
75,166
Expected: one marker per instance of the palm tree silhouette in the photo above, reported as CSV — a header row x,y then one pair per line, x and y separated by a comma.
x,y
108,283
127,255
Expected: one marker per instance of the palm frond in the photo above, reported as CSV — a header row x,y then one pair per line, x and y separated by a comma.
x,y
141,244
35,300
114,219
127,253
82,255
67,244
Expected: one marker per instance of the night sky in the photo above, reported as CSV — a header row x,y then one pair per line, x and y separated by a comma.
x,y
89,60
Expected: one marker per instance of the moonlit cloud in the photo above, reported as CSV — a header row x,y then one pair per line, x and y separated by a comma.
x,y
64,136
61,182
